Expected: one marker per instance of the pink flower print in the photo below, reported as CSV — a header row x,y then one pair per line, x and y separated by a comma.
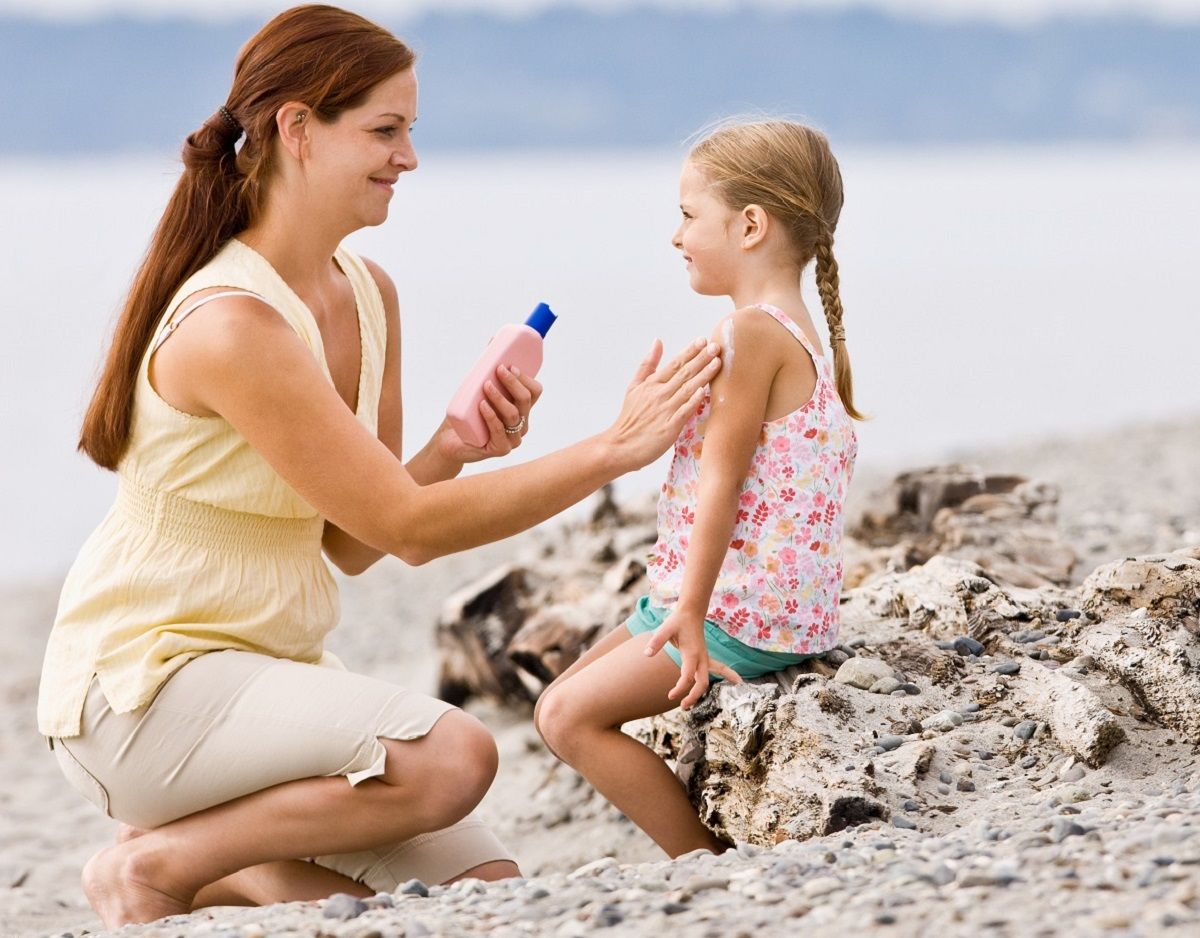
x,y
781,444
688,515
791,606
743,515
815,545
747,499
737,543
814,517
788,494
812,630
788,556
810,433
760,513
729,601
819,498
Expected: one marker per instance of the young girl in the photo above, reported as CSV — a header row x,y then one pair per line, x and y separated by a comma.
x,y
746,574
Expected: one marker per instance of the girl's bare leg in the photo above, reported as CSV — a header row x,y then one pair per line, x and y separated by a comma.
x,y
611,640
581,721
161,871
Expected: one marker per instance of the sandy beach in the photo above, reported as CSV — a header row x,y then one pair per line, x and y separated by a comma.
x,y
1127,492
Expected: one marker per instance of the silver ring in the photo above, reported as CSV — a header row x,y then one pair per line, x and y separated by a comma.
x,y
513,431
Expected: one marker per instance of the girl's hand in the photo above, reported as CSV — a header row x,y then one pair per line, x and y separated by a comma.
x,y
507,401
658,403
688,635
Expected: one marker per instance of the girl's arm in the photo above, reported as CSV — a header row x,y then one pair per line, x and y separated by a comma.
x,y
442,457
241,360
730,435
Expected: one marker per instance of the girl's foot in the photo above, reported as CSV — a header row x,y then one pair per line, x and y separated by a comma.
x,y
121,893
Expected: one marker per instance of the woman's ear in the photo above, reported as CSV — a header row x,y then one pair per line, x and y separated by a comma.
x,y
292,122
754,222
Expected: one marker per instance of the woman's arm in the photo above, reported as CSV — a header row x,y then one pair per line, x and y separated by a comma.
x,y
241,360
730,436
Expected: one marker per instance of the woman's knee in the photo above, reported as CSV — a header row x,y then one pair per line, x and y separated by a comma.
x,y
460,753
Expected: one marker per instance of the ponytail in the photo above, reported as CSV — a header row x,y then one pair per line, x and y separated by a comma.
x,y
326,57
204,211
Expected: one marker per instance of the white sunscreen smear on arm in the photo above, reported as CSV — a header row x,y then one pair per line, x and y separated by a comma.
x,y
727,353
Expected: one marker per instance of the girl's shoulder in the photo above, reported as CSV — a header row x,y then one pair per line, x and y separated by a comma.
x,y
749,330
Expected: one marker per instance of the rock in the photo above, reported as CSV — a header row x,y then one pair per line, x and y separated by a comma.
x,y
862,672
414,887
1167,586
343,906
1024,729
888,743
1007,667
965,645
885,685
943,721
1066,615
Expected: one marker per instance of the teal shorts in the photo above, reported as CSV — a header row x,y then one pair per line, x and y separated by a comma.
x,y
747,662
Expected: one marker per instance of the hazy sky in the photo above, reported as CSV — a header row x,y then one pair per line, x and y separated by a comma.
x,y
1011,10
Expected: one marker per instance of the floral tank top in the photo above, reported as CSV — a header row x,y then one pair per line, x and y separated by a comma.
x,y
780,584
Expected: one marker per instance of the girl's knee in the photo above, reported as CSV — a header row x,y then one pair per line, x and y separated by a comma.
x,y
557,719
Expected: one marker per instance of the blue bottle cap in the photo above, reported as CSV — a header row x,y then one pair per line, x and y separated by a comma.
x,y
541,319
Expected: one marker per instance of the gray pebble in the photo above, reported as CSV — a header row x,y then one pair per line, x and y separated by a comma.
x,y
885,685
965,645
965,784
943,875
1024,729
888,743
909,688
911,806
1028,762
343,906
1007,667
414,887
608,915
1066,615
1064,828
1031,635
899,820
674,908
971,707
946,778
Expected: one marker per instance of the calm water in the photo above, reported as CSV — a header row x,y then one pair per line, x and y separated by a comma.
x,y
990,295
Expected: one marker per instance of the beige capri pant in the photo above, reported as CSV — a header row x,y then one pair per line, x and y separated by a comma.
x,y
230,723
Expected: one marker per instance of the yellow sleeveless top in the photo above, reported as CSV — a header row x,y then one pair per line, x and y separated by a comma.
x,y
205,547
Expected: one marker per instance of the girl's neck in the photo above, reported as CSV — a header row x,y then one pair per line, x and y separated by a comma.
x,y
780,289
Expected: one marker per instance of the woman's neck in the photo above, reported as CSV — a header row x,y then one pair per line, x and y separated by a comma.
x,y
298,247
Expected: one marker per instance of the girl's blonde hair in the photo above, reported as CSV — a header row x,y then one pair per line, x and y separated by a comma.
x,y
788,170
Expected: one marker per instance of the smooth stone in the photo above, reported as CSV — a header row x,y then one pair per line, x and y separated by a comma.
x,y
1032,635
1024,729
1007,667
910,688
1064,828
965,784
414,887
899,820
943,875
965,645
862,672
885,685
343,906
943,721
1028,762
971,707
1066,615
888,743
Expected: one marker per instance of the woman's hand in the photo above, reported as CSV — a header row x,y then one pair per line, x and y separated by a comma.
x,y
687,634
506,404
658,403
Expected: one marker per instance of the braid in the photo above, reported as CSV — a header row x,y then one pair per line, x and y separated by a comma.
x,y
828,286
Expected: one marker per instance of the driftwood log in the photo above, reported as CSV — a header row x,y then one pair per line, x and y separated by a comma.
x,y
981,647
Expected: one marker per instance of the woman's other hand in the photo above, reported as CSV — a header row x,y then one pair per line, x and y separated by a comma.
x,y
506,405
659,401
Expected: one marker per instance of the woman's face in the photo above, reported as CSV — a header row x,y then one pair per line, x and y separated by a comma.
x,y
354,162
705,234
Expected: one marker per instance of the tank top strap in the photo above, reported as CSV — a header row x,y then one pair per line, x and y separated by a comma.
x,y
170,323
797,333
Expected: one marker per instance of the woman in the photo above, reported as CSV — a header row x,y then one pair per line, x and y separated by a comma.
x,y
250,404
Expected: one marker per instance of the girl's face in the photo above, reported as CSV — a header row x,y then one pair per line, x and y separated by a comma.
x,y
705,234
355,161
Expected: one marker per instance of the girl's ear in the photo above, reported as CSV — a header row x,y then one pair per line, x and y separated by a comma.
x,y
292,122
754,222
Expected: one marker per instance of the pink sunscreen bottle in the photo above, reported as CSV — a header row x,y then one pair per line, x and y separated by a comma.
x,y
517,346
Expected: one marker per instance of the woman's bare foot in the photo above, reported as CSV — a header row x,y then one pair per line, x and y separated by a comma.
x,y
117,888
